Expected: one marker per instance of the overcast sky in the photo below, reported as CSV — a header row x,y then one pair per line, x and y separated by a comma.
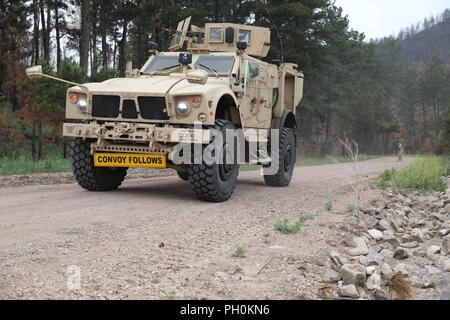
x,y
378,18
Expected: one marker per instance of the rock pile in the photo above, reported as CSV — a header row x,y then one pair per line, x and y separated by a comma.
x,y
403,251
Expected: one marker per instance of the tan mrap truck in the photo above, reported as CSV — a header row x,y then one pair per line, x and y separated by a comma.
x,y
211,81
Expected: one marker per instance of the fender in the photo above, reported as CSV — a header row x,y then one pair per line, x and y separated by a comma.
x,y
218,92
287,120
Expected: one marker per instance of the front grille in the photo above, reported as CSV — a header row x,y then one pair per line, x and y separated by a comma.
x,y
129,110
105,106
153,108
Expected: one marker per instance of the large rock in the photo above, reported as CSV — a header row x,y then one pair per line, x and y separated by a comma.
x,y
393,241
432,251
353,274
387,271
374,282
384,225
402,269
349,291
446,245
361,248
337,259
433,270
417,235
376,234
445,264
401,254
332,276
387,253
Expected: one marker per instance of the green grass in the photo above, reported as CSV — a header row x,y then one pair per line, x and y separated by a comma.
x,y
172,296
285,227
351,208
424,175
24,165
54,162
239,252
329,205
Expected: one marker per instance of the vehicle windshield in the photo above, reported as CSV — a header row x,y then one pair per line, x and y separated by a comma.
x,y
161,63
215,64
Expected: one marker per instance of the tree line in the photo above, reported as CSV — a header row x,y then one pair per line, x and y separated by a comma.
x,y
352,87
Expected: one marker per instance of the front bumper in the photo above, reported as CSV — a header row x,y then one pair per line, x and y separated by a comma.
x,y
126,132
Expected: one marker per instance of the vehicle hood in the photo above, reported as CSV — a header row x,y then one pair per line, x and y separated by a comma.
x,y
156,85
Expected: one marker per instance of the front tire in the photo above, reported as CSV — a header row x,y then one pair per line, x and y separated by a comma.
x,y
285,157
88,176
183,175
215,182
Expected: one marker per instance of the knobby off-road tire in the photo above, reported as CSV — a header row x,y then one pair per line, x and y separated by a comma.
x,y
215,182
183,175
90,177
286,157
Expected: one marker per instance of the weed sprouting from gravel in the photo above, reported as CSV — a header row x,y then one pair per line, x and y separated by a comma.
x,y
240,252
329,205
285,227
172,296
351,208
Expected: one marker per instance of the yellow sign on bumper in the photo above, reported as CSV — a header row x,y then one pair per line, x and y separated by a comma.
x,y
128,160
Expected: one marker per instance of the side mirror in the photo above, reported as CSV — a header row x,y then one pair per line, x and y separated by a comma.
x,y
185,58
34,73
197,76
242,45
229,35
152,46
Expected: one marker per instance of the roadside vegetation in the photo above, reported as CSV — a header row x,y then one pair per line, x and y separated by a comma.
x,y
54,162
239,252
424,175
285,227
24,164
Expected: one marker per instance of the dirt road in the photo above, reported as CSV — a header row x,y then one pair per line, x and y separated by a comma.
x,y
153,240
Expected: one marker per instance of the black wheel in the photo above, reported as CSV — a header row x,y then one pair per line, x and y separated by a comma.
x,y
215,182
183,175
90,177
286,157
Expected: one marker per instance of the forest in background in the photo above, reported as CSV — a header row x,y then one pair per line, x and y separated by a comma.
x,y
378,93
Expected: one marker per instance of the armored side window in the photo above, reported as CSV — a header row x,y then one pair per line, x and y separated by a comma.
x,y
245,35
216,35
253,70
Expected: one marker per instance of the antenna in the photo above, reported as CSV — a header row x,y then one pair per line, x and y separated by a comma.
x,y
277,31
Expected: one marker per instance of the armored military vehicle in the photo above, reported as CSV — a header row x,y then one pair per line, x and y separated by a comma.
x,y
211,79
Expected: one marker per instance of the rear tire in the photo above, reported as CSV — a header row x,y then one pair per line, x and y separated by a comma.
x,y
286,157
215,182
90,177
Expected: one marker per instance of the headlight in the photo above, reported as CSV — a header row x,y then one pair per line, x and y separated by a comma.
x,y
82,104
183,108
78,99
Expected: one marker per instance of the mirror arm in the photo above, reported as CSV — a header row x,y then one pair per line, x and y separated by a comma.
x,y
65,81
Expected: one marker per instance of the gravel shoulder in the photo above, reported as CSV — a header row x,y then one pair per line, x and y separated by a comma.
x,y
152,239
